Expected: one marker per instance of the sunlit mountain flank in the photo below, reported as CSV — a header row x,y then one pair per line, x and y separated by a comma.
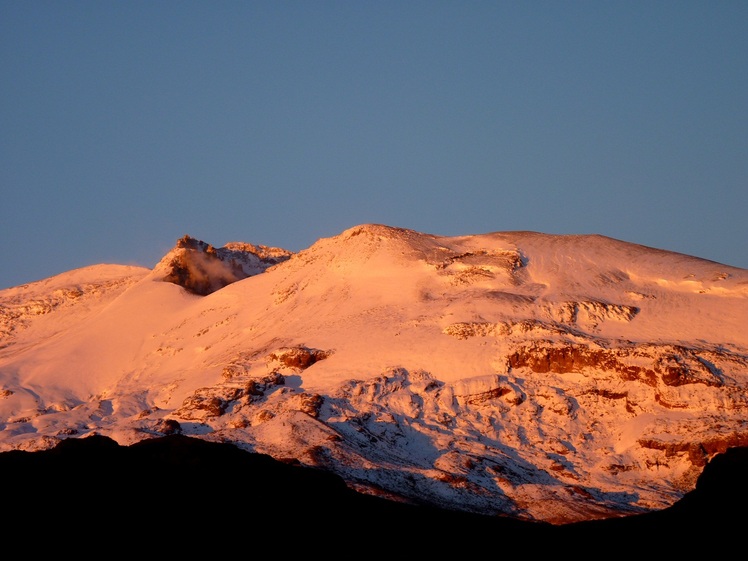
x,y
538,378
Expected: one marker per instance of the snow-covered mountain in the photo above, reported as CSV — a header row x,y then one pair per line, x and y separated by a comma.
x,y
543,377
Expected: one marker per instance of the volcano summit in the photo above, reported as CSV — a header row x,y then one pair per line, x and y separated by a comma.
x,y
540,377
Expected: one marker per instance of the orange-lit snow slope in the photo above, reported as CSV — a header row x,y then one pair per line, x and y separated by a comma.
x,y
539,376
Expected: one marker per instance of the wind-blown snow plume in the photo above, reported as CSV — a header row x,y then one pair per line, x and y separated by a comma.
x,y
202,269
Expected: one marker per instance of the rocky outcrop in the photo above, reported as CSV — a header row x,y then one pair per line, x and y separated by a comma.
x,y
588,313
699,451
297,358
668,364
202,269
208,402
242,394
236,391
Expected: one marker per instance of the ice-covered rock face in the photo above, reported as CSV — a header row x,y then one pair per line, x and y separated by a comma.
x,y
203,269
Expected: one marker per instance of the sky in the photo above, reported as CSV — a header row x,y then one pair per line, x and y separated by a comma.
x,y
127,125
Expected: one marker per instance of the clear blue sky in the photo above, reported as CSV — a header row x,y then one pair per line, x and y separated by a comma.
x,y
126,125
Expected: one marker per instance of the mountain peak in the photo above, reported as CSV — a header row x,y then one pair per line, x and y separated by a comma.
x,y
202,269
379,230
541,376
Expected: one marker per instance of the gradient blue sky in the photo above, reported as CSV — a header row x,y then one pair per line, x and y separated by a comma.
x,y
126,125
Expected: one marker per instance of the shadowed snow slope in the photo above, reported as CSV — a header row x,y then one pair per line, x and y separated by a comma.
x,y
550,378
